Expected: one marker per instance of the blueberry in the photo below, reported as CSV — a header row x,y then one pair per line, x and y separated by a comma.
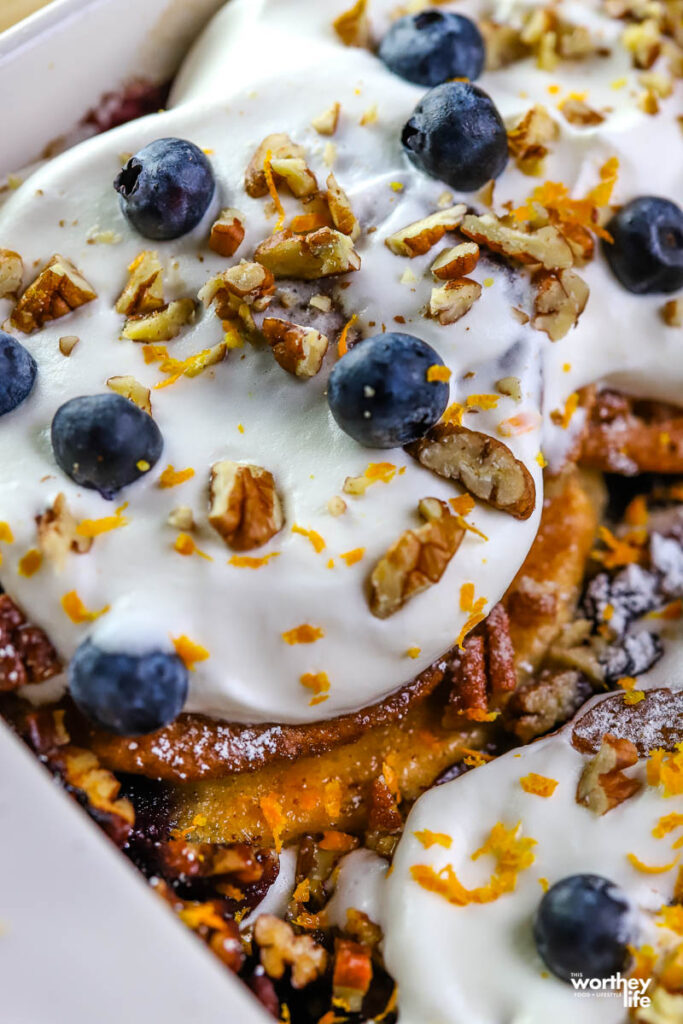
x,y
104,442
583,926
17,373
647,252
166,188
433,46
379,393
456,134
126,693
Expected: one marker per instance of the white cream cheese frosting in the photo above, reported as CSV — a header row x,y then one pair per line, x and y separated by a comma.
x,y
272,67
478,962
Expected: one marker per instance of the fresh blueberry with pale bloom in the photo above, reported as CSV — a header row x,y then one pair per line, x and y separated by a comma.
x,y
166,188
646,253
18,371
104,442
583,927
433,46
456,134
129,694
380,395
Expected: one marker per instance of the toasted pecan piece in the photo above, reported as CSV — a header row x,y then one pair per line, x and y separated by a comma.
x,y
528,138
321,253
281,948
578,113
482,464
11,272
161,324
144,290
245,508
326,123
57,533
545,245
342,214
418,238
449,302
603,785
26,653
299,350
560,300
59,289
353,26
244,285
456,262
280,147
227,232
416,561
133,390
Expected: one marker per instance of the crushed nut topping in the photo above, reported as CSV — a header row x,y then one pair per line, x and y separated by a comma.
x,y
68,343
560,300
181,518
456,262
26,654
11,272
281,948
58,533
672,313
227,232
133,390
281,149
417,560
353,26
144,291
482,670
504,45
452,300
483,465
578,113
299,350
343,216
162,324
545,245
418,238
510,386
528,139
326,123
238,289
59,289
603,784
245,508
322,253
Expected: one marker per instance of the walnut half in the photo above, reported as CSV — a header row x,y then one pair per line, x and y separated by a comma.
x,y
245,508
299,350
482,464
416,561
58,289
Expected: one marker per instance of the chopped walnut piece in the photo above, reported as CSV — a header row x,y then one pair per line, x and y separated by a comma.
x,y
603,785
294,172
546,702
162,324
353,26
418,238
336,506
483,465
452,300
133,390
59,289
578,113
299,350
504,45
245,284
352,974
57,534
546,245
343,216
456,262
644,41
528,138
281,948
245,508
227,233
326,123
280,147
510,386
672,313
68,343
144,291
181,518
560,300
11,272
416,561
82,770
322,253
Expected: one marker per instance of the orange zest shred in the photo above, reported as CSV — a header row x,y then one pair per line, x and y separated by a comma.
x,y
636,513
302,893
30,563
270,181
275,819
626,682
189,652
466,597
666,824
476,758
564,418
94,527
644,960
185,545
477,615
554,197
671,917
312,535
482,401
673,610
333,840
650,869
513,854
538,785
633,697
192,366
303,634
462,505
619,552
76,610
522,423
318,683
342,343
374,473
251,562
437,372
666,769
6,535
172,477
304,222
332,798
454,414
201,914
429,838
353,556
479,715
413,652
